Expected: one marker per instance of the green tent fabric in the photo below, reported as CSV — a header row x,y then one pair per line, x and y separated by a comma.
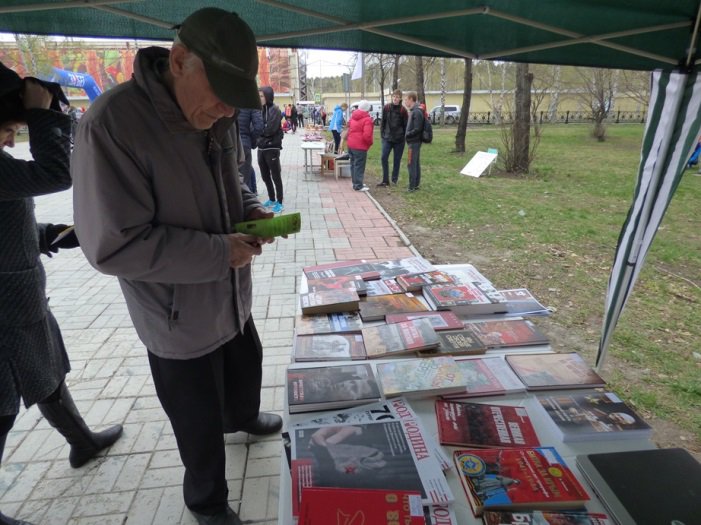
x,y
671,134
626,34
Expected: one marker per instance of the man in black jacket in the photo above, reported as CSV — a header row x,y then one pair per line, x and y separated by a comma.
x,y
269,146
393,128
250,123
414,129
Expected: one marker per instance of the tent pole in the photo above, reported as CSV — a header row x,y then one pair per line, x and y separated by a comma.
x,y
134,16
694,35
61,5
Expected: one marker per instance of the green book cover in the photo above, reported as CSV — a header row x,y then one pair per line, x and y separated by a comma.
x,y
272,227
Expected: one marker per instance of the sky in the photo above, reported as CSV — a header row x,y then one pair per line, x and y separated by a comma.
x,y
326,63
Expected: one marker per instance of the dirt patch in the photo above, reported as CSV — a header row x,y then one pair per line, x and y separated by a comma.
x,y
567,332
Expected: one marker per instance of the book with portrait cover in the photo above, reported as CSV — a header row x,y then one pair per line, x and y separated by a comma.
x,y
375,308
534,478
328,323
388,340
444,320
348,506
422,377
330,387
373,455
484,425
382,287
457,342
416,281
507,333
406,265
586,416
554,371
519,301
544,517
329,301
354,282
488,376
335,269
463,299
328,347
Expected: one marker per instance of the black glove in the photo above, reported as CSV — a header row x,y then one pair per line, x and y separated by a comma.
x,y
53,231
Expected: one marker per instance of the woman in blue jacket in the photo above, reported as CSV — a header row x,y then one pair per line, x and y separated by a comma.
x,y
336,124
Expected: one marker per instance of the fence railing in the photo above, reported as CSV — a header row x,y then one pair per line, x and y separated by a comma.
x,y
544,117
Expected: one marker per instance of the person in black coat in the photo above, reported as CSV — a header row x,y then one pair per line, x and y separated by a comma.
x,y
269,146
33,359
250,124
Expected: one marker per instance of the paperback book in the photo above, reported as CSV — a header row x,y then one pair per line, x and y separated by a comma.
x,y
484,425
382,287
507,333
519,301
517,478
388,340
375,308
488,376
395,267
469,275
540,517
463,299
415,282
328,347
590,416
329,301
458,342
328,323
354,282
554,371
285,224
335,269
349,506
330,387
423,377
445,320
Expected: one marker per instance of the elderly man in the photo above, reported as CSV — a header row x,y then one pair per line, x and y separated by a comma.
x,y
156,195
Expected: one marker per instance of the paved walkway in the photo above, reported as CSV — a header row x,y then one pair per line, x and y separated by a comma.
x,y
138,482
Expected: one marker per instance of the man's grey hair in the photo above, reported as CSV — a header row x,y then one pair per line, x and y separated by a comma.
x,y
192,61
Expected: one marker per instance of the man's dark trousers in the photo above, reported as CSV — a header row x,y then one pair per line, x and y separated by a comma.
x,y
387,147
201,396
414,164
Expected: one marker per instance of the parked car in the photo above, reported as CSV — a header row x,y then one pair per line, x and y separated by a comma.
x,y
375,110
452,114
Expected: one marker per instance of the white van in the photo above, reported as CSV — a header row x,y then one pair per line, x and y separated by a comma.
x,y
375,110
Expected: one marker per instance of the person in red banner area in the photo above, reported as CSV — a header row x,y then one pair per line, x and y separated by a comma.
x,y
33,358
157,196
360,137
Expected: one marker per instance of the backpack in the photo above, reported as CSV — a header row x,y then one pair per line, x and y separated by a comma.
x,y
427,133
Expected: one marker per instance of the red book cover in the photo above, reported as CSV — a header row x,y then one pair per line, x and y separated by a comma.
x,y
443,320
508,333
415,282
446,296
483,425
517,478
354,282
340,506
387,340
353,267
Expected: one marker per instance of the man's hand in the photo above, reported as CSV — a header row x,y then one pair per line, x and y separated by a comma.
x,y
52,231
261,213
36,96
242,249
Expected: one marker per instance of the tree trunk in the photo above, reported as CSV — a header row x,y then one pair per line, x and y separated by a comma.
x,y
443,83
461,135
420,91
395,73
522,119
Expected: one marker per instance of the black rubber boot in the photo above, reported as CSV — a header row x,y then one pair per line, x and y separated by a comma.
x,y
64,417
6,520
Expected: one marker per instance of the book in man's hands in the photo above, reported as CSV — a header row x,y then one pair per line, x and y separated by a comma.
x,y
328,323
422,377
330,387
375,308
348,506
534,478
544,517
484,425
389,340
586,416
329,301
554,371
488,376
328,347
272,227
507,333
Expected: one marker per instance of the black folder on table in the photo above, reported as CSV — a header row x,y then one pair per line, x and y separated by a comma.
x,y
646,487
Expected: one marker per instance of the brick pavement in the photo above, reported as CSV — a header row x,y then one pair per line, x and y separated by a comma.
x,y
138,481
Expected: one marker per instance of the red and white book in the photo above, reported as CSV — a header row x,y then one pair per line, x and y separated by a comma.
x,y
444,320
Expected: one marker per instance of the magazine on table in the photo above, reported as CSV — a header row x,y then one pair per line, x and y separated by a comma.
x,y
487,376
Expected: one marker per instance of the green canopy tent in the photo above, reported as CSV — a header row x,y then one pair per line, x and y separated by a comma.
x,y
627,34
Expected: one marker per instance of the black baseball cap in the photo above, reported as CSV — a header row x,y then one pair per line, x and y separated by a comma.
x,y
227,47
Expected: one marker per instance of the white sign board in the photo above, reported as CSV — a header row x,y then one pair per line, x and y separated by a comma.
x,y
478,163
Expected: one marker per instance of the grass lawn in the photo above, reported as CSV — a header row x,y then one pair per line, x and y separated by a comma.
x,y
554,232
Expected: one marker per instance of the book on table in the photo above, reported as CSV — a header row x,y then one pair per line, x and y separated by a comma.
x,y
349,506
382,287
444,320
328,347
457,342
416,281
421,377
335,269
484,425
646,487
534,478
329,301
330,387
544,517
463,299
328,323
519,301
403,266
507,333
554,371
586,416
389,340
469,275
375,308
354,282
488,376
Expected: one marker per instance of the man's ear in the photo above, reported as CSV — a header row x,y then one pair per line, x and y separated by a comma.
x,y
176,60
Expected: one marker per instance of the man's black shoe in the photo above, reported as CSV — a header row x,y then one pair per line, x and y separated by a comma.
x,y
382,184
227,517
265,424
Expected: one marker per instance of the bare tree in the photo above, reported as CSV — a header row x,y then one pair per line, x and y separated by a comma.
x,y
420,89
519,151
636,84
597,92
461,135
395,71
381,65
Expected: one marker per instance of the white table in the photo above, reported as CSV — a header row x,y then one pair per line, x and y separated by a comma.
x,y
309,148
